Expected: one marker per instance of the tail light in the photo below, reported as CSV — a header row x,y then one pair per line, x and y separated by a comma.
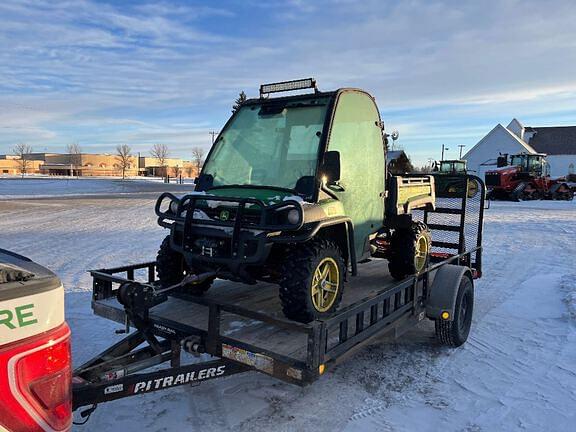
x,y
37,371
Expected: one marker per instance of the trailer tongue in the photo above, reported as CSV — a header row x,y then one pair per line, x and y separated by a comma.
x,y
236,328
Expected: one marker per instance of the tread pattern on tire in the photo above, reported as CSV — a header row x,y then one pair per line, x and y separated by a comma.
x,y
403,248
297,270
169,270
444,332
447,332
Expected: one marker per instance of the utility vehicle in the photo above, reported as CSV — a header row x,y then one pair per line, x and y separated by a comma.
x,y
295,191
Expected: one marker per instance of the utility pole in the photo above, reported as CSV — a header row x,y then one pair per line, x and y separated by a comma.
x,y
213,135
461,147
444,148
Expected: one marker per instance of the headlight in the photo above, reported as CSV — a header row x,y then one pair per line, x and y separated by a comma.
x,y
174,206
293,217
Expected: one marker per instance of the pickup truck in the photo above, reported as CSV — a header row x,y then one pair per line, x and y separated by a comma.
x,y
35,359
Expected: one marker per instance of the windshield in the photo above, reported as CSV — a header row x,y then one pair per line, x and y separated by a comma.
x,y
452,166
527,163
270,145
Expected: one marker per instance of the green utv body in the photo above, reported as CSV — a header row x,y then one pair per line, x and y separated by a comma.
x,y
295,191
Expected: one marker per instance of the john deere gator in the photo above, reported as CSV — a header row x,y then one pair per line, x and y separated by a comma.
x,y
295,191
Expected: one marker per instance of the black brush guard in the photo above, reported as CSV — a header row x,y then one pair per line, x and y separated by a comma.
x,y
243,235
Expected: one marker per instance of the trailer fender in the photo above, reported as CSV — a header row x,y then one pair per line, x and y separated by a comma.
x,y
444,290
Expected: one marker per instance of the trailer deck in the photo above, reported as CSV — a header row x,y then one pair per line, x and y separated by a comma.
x,y
178,311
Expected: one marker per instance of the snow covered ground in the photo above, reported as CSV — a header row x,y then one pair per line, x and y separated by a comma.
x,y
50,187
516,373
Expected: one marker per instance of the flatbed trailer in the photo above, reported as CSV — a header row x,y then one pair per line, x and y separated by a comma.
x,y
238,328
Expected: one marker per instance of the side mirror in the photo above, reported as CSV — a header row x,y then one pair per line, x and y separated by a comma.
x,y
331,166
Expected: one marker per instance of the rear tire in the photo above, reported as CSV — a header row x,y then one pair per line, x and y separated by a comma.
x,y
305,293
409,250
171,268
454,333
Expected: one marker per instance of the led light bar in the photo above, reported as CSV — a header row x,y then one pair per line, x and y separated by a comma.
x,y
287,86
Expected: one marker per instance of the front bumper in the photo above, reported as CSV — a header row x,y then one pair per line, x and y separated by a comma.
x,y
208,241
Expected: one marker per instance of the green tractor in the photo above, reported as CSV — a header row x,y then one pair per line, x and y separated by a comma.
x,y
448,173
295,192
451,167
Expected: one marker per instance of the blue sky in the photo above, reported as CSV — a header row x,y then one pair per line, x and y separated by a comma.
x,y
103,73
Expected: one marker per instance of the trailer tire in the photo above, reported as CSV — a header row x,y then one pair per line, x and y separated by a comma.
x,y
171,269
297,280
455,332
406,245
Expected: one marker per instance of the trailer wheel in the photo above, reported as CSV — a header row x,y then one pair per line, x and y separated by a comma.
x,y
454,333
312,280
409,250
171,269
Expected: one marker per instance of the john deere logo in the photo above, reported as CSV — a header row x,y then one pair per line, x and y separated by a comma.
x,y
224,215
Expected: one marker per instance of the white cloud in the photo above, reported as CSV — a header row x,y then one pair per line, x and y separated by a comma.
x,y
140,72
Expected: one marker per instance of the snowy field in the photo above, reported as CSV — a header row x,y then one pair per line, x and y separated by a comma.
x,y
516,373
50,187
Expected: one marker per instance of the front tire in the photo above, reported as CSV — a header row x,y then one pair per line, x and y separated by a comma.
x,y
171,268
410,250
454,333
312,280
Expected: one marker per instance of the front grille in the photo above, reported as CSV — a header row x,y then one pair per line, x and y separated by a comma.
x,y
492,179
228,214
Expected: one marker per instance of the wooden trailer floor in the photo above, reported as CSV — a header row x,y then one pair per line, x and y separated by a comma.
x,y
373,277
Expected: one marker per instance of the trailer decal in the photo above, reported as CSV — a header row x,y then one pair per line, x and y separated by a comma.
x,y
258,361
114,389
178,379
294,373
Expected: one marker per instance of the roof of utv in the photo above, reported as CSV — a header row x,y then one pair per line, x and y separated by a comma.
x,y
298,97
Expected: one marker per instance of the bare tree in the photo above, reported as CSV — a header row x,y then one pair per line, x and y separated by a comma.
x,y
176,171
124,158
75,153
23,152
160,152
198,158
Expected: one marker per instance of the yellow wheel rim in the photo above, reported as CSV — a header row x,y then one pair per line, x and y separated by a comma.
x,y
472,188
325,284
421,254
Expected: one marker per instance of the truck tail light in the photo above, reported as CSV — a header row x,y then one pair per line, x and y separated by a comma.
x,y
38,373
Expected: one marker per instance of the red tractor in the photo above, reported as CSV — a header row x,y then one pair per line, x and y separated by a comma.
x,y
527,177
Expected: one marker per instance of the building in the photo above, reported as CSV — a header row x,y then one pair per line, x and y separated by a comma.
x,y
150,166
398,162
12,165
558,142
89,165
